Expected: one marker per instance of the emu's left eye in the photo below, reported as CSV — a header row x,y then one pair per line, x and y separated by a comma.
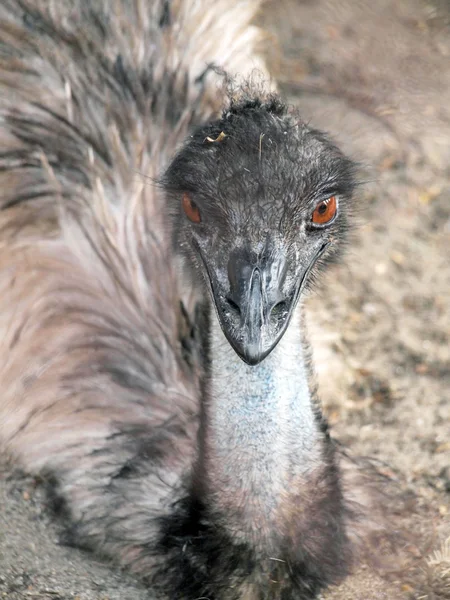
x,y
191,209
325,211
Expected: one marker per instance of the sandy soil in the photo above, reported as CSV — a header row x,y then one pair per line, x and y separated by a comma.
x,y
377,76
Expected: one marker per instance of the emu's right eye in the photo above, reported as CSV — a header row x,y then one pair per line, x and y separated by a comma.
x,y
191,209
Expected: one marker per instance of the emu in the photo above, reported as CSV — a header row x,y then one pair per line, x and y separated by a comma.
x,y
154,366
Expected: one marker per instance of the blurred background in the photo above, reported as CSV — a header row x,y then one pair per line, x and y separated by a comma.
x,y
376,75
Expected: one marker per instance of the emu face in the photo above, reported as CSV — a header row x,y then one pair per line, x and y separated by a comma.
x,y
258,198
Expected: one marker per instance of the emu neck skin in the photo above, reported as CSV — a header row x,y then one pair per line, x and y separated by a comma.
x,y
261,435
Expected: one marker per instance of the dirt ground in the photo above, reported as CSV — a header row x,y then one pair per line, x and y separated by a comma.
x,y
377,76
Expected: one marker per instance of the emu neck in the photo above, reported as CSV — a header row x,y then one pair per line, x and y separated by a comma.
x,y
261,437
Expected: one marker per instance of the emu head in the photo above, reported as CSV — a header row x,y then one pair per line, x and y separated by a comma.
x,y
258,198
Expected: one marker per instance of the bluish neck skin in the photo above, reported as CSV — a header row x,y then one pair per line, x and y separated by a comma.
x,y
261,437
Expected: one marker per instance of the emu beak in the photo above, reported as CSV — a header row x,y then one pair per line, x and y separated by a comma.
x,y
255,312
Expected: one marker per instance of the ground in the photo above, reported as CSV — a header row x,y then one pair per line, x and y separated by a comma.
x,y
377,76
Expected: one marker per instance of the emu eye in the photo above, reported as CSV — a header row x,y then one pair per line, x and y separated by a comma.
x,y
191,209
325,211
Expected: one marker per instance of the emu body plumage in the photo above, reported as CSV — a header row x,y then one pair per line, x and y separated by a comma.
x,y
206,476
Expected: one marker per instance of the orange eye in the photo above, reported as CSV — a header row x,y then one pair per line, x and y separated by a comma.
x,y
325,211
191,209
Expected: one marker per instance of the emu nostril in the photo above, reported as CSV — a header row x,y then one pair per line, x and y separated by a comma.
x,y
234,307
280,309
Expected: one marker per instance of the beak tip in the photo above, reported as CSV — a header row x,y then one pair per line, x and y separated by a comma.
x,y
251,344
251,360
252,354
